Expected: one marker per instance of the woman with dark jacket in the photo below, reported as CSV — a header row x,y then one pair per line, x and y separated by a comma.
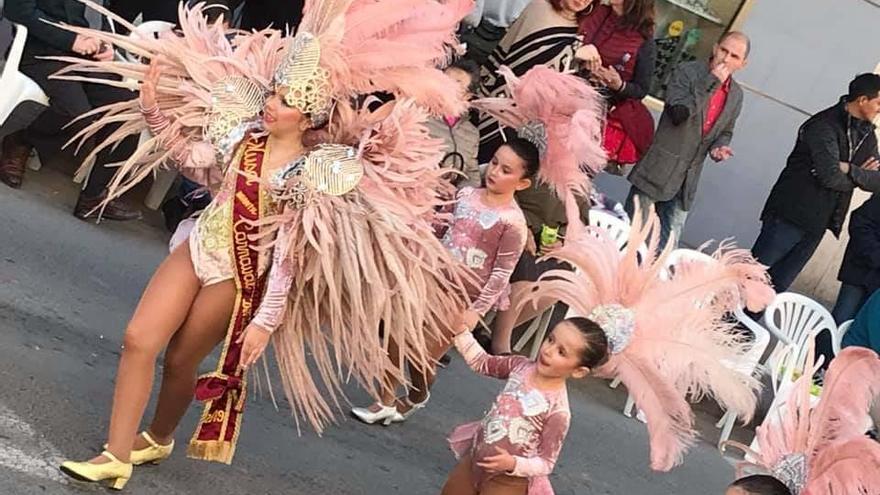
x,y
618,57
546,33
860,270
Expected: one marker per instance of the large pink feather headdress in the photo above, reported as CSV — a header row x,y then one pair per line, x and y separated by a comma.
x,y
345,48
669,339
195,59
824,450
562,115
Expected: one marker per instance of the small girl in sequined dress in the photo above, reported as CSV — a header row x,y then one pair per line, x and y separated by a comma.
x,y
487,233
513,450
488,229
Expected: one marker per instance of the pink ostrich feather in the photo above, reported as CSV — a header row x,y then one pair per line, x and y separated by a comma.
x,y
193,59
679,340
670,419
389,45
840,459
571,111
851,384
365,259
846,468
404,175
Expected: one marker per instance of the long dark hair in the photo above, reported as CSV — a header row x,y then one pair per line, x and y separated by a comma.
x,y
639,15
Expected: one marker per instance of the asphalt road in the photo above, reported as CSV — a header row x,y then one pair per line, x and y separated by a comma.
x,y
66,290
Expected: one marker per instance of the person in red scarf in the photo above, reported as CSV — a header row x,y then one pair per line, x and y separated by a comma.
x,y
618,56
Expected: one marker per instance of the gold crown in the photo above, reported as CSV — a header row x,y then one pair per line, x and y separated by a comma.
x,y
234,100
307,83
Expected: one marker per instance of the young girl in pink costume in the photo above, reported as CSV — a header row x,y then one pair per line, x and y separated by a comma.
x,y
488,230
487,234
515,447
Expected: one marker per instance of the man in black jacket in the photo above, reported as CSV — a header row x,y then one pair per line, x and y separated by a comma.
x,y
68,99
835,152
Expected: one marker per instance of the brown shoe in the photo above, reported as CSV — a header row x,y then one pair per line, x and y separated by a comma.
x,y
88,208
14,158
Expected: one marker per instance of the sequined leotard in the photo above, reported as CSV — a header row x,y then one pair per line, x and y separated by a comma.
x,y
489,240
528,423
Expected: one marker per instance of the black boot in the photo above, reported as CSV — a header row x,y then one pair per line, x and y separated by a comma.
x,y
87,208
14,158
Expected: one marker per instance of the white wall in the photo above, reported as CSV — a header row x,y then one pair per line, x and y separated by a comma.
x,y
804,53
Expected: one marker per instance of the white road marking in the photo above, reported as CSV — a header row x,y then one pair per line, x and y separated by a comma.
x,y
22,449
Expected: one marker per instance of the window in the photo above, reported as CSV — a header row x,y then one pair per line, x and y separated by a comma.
x,y
686,30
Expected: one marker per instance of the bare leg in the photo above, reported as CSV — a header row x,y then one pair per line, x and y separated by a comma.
x,y
506,321
389,391
204,328
423,379
160,313
460,480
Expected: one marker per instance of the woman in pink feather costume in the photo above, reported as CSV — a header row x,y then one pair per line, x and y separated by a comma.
x,y
310,248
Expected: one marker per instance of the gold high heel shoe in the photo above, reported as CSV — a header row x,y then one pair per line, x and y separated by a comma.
x,y
153,453
115,472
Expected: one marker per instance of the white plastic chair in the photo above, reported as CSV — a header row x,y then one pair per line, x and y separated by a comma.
x,y
838,336
795,319
148,29
618,230
789,360
17,88
535,332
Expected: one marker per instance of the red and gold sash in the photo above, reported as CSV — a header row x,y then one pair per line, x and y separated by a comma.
x,y
225,389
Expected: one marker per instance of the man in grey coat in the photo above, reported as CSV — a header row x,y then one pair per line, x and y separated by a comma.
x,y
702,105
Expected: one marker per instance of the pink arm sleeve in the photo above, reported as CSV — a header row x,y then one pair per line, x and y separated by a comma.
x,y
274,302
510,248
552,439
195,159
484,364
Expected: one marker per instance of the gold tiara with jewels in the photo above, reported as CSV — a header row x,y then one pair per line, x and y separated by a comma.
x,y
307,83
